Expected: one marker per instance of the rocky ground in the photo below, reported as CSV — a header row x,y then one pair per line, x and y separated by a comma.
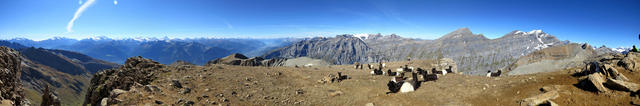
x,y
241,85
11,90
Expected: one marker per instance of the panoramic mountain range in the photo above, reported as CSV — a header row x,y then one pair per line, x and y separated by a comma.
x,y
165,51
61,63
473,53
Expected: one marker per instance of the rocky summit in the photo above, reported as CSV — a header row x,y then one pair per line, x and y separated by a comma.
x,y
106,83
11,90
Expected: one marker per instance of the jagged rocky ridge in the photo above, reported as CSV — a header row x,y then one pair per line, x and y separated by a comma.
x,y
11,89
241,60
474,53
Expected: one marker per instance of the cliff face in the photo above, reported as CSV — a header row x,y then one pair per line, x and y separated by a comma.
x,y
10,87
343,49
473,53
136,70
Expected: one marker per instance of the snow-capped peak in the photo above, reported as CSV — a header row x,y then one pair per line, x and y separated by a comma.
x,y
621,49
538,33
519,32
535,32
97,38
362,36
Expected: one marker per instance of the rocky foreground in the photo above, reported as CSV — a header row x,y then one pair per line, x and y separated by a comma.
x,y
11,90
604,80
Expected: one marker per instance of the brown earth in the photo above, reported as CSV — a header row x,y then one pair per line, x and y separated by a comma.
x,y
241,85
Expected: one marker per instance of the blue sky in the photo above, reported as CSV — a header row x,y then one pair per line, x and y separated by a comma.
x,y
604,22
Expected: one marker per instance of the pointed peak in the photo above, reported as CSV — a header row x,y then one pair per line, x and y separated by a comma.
x,y
463,30
459,33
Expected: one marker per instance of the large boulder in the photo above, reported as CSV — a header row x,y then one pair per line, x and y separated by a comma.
x,y
615,74
10,87
136,70
597,79
629,61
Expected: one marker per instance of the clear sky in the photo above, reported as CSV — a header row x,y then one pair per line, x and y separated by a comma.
x,y
604,22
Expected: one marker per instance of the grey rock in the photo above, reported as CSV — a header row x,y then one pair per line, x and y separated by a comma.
x,y
185,91
175,83
159,102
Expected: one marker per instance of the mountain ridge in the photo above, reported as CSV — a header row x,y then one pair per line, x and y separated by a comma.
x,y
474,52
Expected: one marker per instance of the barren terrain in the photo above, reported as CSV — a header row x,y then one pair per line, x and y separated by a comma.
x,y
241,85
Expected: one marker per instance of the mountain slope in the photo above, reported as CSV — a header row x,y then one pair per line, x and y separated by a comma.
x,y
552,59
67,73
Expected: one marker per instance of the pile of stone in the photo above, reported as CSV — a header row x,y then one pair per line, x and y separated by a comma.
x,y
603,72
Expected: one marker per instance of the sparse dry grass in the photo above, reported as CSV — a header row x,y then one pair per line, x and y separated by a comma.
x,y
265,86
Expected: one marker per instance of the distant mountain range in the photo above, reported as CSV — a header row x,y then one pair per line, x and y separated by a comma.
x,y
474,53
165,51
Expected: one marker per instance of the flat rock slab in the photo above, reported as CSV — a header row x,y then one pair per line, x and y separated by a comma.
x,y
540,99
622,85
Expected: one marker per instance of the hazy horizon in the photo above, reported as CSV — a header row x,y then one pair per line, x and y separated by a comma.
x,y
597,22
